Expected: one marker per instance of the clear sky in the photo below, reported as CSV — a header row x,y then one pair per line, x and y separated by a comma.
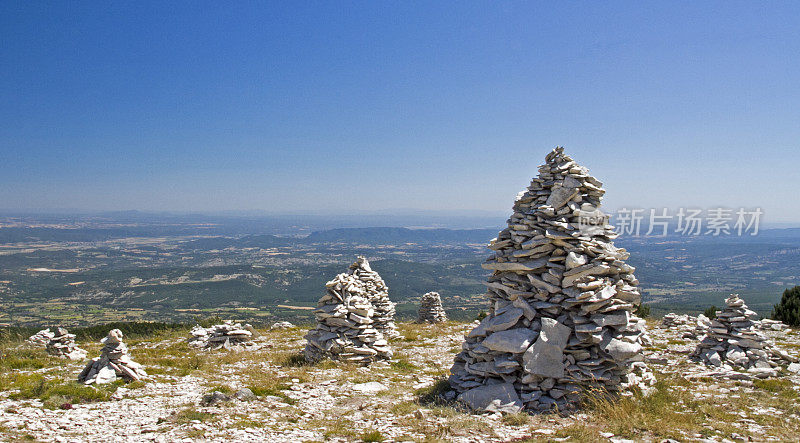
x,y
339,106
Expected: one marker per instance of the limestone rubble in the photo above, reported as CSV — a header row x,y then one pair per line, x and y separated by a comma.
x,y
113,362
688,326
281,325
562,300
346,327
431,309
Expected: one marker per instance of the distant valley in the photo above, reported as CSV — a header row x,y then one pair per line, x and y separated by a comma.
x,y
80,271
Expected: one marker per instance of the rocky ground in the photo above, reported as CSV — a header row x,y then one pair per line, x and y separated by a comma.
x,y
391,401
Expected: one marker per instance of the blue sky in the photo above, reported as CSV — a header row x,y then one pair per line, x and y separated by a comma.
x,y
340,106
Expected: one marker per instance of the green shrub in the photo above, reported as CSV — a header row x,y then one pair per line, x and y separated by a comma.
x,y
190,414
296,360
433,394
788,310
642,311
517,419
481,315
371,435
401,364
711,312
54,393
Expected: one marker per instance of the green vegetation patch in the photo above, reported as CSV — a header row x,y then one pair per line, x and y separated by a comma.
x,y
55,393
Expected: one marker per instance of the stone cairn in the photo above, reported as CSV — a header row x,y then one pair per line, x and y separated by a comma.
x,y
687,326
430,309
771,325
562,298
41,338
228,335
63,345
734,342
113,362
378,294
281,325
345,328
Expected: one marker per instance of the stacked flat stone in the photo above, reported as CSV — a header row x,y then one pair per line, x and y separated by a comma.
x,y
345,328
674,321
562,300
771,325
63,345
228,335
42,337
734,342
113,362
687,326
701,326
378,294
431,309
281,325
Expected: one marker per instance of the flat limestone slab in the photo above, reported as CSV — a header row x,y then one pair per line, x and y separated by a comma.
x,y
500,396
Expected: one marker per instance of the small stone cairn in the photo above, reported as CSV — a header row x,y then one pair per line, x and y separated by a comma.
x,y
562,300
63,345
113,362
687,326
771,325
228,335
734,342
281,325
41,338
431,310
345,328
378,294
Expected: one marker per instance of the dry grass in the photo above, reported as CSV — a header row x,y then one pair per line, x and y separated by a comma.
x,y
678,409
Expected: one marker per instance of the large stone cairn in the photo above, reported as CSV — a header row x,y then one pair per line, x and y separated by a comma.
x,y
562,298
63,345
345,327
378,294
735,342
228,335
430,309
113,362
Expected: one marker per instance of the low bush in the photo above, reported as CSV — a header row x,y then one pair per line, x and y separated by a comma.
x,y
788,310
372,435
